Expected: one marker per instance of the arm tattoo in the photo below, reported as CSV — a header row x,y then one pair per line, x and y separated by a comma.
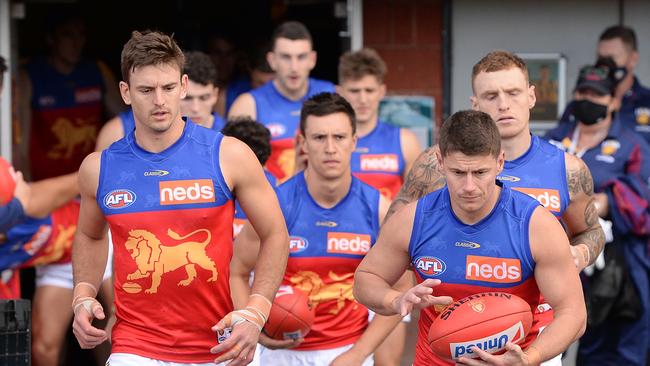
x,y
423,178
581,183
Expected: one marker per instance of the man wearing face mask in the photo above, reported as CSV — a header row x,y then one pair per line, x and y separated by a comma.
x,y
618,160
631,99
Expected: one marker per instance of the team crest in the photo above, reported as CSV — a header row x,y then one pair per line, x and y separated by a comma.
x,y
609,147
642,115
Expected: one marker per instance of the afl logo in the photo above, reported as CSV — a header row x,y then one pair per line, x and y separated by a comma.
x,y
276,129
297,244
430,266
119,198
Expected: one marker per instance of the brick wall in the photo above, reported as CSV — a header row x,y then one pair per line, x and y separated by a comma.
x,y
408,35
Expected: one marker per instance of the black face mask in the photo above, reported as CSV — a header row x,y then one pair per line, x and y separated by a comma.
x,y
589,112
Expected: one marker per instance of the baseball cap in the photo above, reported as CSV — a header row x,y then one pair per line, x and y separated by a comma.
x,y
596,79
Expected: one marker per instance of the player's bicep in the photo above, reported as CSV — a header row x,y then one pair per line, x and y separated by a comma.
x,y
411,149
91,223
555,273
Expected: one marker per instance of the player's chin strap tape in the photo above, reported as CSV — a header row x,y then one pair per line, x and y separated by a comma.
x,y
256,311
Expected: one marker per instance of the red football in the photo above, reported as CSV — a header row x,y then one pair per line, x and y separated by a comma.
x,y
7,183
291,317
486,320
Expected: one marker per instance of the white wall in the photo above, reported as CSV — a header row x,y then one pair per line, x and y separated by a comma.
x,y
551,26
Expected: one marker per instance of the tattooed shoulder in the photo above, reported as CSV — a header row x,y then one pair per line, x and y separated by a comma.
x,y
424,176
578,176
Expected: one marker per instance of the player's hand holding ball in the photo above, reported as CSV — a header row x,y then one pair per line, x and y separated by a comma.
x,y
419,297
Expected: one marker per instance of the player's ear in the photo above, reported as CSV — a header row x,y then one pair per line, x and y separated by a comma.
x,y
438,158
125,92
184,83
474,100
500,162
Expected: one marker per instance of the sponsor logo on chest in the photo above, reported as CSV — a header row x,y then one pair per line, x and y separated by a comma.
x,y
549,198
348,243
492,269
180,192
380,162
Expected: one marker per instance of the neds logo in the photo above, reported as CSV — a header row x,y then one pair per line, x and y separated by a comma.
x,y
119,198
348,243
549,198
381,162
491,269
430,266
178,192
297,244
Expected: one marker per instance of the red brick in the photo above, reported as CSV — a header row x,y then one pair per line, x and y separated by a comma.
x,y
403,22
428,22
376,22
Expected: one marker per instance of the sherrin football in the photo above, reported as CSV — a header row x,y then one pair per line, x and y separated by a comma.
x,y
487,320
291,317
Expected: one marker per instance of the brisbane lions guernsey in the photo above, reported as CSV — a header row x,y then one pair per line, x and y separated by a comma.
x,y
378,159
541,174
170,215
67,112
491,255
325,248
282,117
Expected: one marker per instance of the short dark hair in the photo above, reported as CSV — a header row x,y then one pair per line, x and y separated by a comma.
x,y
324,104
497,61
471,133
252,133
626,34
200,68
3,65
150,48
356,65
291,30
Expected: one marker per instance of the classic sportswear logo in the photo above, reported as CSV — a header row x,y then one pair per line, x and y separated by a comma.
x,y
508,178
119,198
348,243
297,244
467,244
491,269
326,223
156,173
430,266
490,344
549,198
381,162
178,192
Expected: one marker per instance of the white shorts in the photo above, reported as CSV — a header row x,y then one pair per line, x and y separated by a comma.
x,y
286,357
555,361
127,359
405,319
60,275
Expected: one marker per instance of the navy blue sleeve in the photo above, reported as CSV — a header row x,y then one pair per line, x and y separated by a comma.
x,y
11,214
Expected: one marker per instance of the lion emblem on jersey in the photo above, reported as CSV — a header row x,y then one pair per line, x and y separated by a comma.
x,y
70,136
287,163
310,283
154,259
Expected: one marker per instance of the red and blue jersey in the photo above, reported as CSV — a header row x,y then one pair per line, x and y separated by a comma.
x,y
540,173
326,245
493,254
282,117
170,215
378,159
67,112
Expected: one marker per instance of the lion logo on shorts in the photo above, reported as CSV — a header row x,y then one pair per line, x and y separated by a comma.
x,y
70,136
310,283
154,259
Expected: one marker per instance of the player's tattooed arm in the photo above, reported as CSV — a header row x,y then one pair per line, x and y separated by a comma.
x,y
423,178
581,217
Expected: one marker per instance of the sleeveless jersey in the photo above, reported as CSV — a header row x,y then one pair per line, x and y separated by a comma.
x,y
378,159
170,215
444,248
67,112
128,122
325,248
282,117
240,216
541,174
40,241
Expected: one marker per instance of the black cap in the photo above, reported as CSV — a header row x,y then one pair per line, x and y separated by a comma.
x,y
596,79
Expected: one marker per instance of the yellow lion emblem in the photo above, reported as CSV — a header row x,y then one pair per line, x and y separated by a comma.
x,y
70,136
310,283
154,259
287,162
